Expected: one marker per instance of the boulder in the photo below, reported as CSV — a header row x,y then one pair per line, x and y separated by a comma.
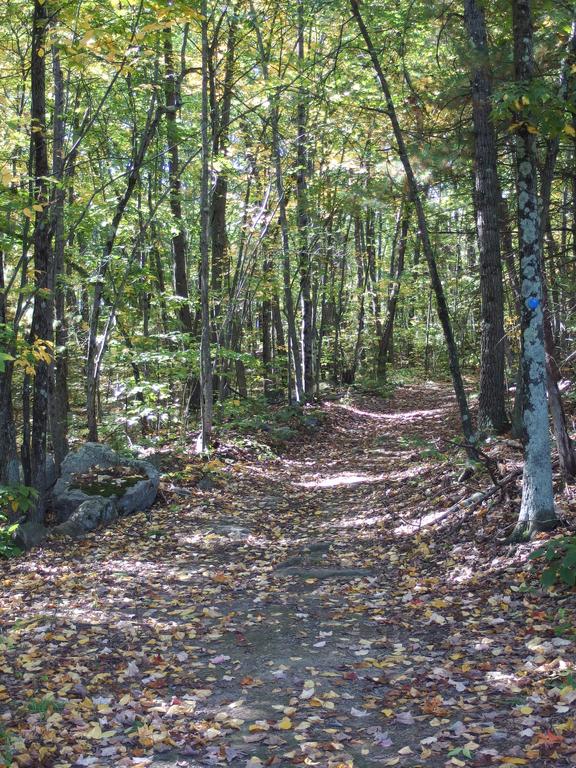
x,y
116,496
91,514
29,535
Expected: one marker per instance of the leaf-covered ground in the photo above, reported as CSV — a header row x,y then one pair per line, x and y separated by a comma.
x,y
316,610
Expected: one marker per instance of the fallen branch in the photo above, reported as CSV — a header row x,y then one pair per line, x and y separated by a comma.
x,y
479,497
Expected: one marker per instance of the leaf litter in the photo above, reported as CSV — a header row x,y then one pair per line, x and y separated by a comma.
x,y
315,610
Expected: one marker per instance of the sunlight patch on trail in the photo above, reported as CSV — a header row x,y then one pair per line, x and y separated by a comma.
x,y
400,417
344,478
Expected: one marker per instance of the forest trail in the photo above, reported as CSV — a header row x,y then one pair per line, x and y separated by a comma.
x,y
309,612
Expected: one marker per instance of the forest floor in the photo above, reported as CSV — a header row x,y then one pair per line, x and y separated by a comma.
x,y
314,610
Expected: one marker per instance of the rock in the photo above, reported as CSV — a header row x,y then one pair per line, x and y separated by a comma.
x,y
51,474
68,497
207,484
234,532
91,514
29,535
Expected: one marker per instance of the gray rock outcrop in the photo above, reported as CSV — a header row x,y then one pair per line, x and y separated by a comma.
x,y
83,505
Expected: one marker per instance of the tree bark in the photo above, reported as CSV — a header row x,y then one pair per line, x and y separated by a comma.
x,y
441,305
206,381
220,130
303,217
59,378
283,217
492,414
42,315
9,465
96,350
179,249
388,329
537,509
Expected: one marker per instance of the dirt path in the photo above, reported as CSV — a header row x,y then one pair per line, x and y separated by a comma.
x,y
306,614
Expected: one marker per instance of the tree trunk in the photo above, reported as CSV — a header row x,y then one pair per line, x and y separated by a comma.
x,y
362,282
303,217
220,129
283,216
179,249
9,465
441,305
41,329
537,509
388,329
206,382
492,400
95,349
59,378
564,445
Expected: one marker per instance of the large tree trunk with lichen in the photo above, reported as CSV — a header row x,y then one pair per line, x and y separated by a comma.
x,y
537,509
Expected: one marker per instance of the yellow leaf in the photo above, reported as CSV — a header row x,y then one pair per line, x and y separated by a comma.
x,y
28,213
6,178
94,733
41,53
569,130
525,710
37,207
513,760
285,724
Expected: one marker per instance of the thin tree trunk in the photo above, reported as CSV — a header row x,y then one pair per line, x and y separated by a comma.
x,y
220,130
441,305
95,349
179,249
303,217
388,330
537,509
283,217
9,465
362,282
206,381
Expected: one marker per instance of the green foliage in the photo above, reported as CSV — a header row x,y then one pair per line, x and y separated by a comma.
x,y
560,557
374,386
6,751
427,449
7,531
46,705
14,499
271,425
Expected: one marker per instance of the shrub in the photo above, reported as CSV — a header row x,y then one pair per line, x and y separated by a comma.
x,y
560,556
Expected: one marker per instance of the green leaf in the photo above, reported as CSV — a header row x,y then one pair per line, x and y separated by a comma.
x,y
549,577
4,357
